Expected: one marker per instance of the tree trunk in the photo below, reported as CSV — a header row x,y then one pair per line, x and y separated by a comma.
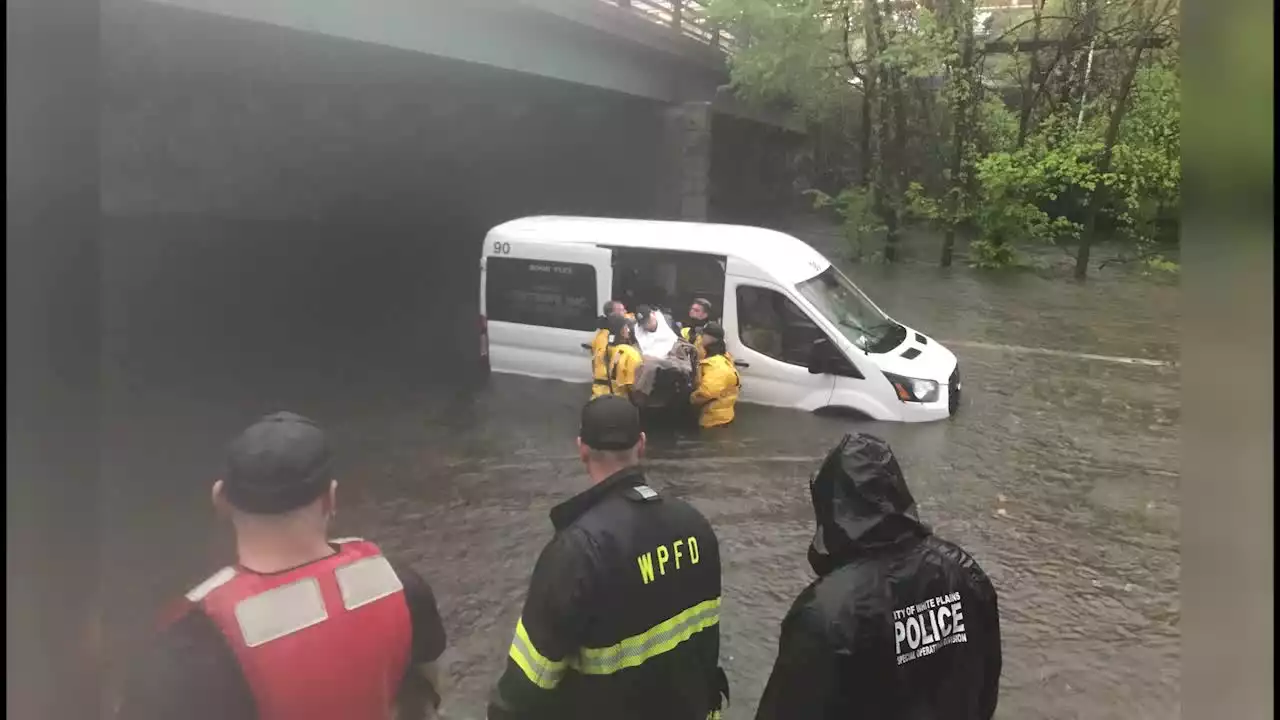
x,y
891,157
899,164
865,129
869,139
1031,92
1099,195
1077,63
958,190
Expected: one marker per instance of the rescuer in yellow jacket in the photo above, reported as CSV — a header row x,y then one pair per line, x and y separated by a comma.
x,y
718,381
600,348
624,356
699,316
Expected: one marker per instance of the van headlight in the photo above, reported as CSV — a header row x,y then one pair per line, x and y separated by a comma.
x,y
913,389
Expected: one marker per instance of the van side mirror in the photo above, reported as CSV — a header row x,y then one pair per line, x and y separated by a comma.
x,y
821,355
826,359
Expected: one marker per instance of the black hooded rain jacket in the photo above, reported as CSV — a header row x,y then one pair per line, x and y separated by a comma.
x,y
900,624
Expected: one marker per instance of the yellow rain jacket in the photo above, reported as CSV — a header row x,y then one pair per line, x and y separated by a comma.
x,y
599,365
717,391
600,360
697,345
624,360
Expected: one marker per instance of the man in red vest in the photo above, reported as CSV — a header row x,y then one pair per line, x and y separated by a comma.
x,y
301,627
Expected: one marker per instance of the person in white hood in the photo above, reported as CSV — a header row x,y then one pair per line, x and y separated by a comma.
x,y
654,333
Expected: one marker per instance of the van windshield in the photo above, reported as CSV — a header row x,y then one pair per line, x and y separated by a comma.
x,y
841,302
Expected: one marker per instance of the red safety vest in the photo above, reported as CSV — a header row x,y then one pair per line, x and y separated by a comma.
x,y
326,641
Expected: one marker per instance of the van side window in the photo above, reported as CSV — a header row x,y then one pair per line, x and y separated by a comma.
x,y
538,292
772,325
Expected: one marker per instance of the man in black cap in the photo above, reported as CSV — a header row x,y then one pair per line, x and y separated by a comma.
x,y
623,611
301,626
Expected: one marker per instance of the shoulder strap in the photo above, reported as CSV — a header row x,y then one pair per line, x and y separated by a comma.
x,y
643,494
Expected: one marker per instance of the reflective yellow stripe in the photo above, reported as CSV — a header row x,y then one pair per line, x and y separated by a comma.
x,y
542,672
631,652
655,641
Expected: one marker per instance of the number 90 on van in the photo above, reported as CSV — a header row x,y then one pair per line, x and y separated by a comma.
x,y
801,333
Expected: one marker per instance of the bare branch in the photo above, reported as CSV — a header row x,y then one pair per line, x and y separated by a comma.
x,y
848,49
1032,20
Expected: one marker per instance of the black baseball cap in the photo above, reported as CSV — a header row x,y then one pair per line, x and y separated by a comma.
x,y
610,422
615,323
714,330
280,463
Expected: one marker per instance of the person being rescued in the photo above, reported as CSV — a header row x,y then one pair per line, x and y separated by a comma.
x,y
718,381
654,335
667,376
624,357
600,347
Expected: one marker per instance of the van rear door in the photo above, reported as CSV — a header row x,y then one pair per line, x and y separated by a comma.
x,y
542,302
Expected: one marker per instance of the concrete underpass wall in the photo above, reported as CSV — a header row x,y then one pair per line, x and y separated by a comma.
x,y
290,219
753,170
259,175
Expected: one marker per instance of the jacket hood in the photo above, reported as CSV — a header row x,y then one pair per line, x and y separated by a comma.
x,y
861,502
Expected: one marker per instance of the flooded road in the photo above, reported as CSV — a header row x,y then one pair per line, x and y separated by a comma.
x,y
1060,474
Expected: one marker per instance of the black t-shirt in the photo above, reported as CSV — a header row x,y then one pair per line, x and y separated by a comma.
x,y
190,672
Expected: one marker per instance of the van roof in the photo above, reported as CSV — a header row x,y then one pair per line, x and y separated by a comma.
x,y
791,259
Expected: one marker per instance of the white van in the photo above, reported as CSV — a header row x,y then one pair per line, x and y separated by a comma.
x,y
801,333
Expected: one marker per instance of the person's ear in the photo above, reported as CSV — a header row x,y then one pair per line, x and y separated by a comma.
x,y
218,494
640,446
583,451
331,499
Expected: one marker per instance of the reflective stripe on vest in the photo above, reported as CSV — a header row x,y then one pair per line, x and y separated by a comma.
x,y
631,652
295,634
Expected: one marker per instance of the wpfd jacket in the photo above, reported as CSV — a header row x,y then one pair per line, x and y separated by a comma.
x,y
900,624
717,391
622,616
327,641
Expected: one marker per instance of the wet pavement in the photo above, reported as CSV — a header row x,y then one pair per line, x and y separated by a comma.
x,y
1060,474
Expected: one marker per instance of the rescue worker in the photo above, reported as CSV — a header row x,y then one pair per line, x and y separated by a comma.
x,y
301,626
718,381
599,349
624,356
699,315
899,623
622,616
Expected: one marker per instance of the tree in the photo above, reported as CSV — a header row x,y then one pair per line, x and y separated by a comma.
x,y
1050,124
1151,18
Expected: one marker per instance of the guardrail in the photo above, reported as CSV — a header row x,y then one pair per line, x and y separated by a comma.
x,y
684,17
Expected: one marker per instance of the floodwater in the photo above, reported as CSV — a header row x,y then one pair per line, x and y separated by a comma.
x,y
1060,473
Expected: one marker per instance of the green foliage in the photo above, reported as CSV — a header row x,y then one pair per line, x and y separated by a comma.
x,y
815,56
997,126
988,255
859,222
788,53
1158,264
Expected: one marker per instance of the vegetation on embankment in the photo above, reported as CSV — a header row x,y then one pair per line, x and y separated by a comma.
x,y
1054,125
